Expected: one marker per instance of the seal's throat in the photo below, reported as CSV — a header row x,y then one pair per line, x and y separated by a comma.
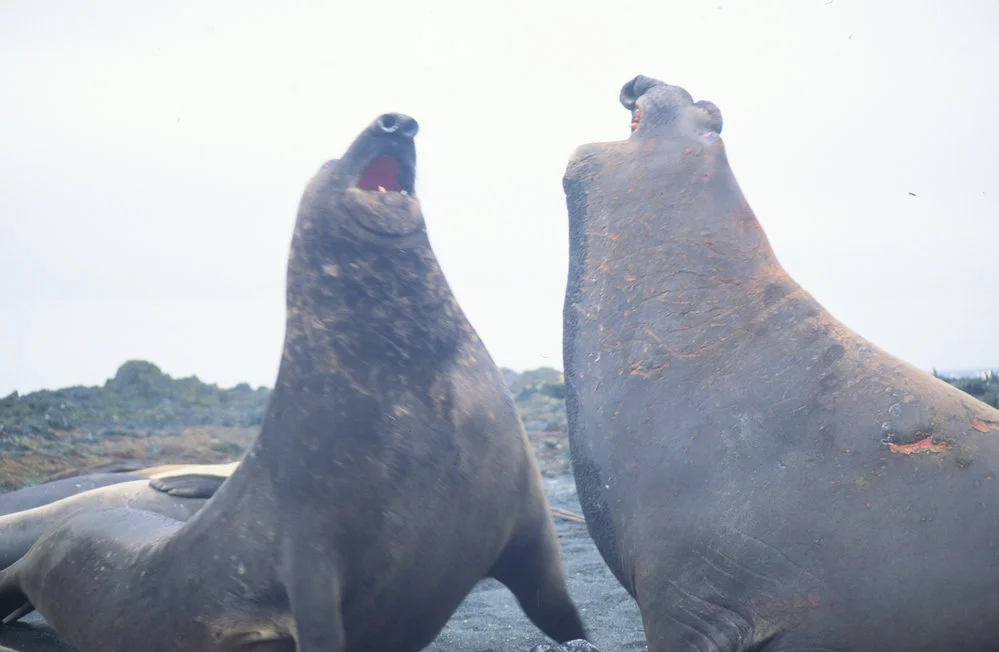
x,y
382,174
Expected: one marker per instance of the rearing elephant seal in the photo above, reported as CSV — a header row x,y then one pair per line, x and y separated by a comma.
x,y
391,473
756,475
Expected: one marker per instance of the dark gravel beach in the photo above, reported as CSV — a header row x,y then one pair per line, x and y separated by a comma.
x,y
489,620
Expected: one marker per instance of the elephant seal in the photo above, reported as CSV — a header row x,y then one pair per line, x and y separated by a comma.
x,y
50,492
187,480
174,490
756,475
390,475
177,497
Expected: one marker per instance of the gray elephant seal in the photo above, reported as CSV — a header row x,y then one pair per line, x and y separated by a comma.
x,y
756,475
391,473
187,480
174,490
50,492
20,530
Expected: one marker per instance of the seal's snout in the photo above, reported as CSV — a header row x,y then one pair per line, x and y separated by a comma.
x,y
630,93
397,123
634,89
658,99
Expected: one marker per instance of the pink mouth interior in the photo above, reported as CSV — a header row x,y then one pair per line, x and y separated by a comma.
x,y
382,172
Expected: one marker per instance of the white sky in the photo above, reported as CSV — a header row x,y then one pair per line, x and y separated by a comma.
x,y
153,154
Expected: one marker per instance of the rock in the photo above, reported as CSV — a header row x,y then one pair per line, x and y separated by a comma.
x,y
572,646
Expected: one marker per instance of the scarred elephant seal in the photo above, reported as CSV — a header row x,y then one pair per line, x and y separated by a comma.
x,y
757,475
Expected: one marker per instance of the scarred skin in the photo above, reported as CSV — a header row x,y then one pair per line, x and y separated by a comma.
x,y
390,475
757,475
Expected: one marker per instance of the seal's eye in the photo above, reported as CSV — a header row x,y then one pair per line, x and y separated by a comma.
x,y
636,117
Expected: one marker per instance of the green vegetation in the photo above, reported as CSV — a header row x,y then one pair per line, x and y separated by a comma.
x,y
984,387
138,400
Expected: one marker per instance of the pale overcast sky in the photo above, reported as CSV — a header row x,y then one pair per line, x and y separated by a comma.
x,y
153,155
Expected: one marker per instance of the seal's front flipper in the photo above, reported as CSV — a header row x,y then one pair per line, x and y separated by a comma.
x,y
191,485
531,567
311,581
19,613
13,602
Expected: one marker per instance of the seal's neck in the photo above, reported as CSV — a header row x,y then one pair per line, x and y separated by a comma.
x,y
353,305
677,253
368,328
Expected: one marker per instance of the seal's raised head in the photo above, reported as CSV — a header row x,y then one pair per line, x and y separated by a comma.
x,y
369,193
666,125
646,211
361,264
661,110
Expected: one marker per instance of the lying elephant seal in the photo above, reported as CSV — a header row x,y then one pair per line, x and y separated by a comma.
x,y
756,475
49,492
187,480
391,473
177,497
174,490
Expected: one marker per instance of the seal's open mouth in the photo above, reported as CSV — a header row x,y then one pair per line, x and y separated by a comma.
x,y
386,174
636,117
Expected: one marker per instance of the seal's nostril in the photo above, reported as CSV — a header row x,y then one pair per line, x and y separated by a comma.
x,y
409,127
397,123
634,89
712,117
388,123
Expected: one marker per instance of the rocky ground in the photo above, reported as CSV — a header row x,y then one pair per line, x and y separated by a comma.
x,y
143,417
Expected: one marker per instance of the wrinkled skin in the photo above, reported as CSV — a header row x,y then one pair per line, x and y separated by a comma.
x,y
755,474
390,475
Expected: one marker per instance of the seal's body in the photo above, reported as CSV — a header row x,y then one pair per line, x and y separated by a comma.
x,y
199,480
49,492
20,530
187,480
175,490
758,476
390,475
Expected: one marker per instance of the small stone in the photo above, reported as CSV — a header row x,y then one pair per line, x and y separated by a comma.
x,y
578,645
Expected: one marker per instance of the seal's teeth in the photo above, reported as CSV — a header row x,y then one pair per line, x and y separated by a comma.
x,y
381,189
404,192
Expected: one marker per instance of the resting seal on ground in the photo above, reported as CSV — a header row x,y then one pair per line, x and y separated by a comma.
x,y
391,473
20,530
757,475
187,480
168,490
